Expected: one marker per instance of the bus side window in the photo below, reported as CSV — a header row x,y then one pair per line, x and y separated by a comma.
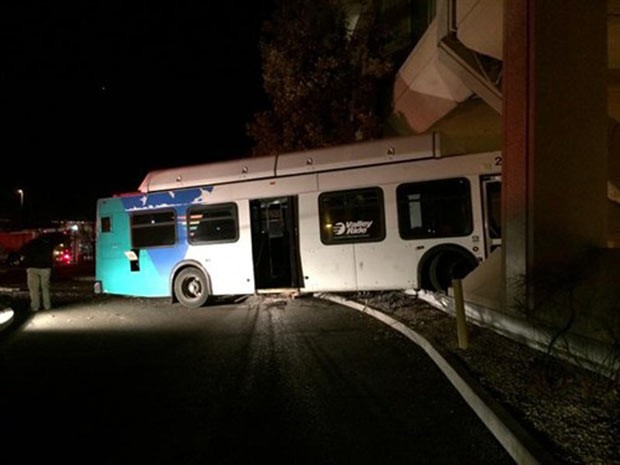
x,y
208,224
431,209
153,229
352,216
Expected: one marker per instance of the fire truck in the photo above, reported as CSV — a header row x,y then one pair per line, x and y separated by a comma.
x,y
75,242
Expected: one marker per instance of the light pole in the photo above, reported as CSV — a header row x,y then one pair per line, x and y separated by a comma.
x,y
20,192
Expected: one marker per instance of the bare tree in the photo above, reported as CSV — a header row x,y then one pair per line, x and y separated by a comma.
x,y
322,74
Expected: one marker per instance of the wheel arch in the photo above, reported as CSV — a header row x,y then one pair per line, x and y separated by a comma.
x,y
180,267
429,256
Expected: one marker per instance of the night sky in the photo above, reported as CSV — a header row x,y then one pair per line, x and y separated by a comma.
x,y
94,94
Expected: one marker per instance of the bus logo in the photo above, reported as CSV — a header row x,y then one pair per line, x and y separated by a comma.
x,y
352,228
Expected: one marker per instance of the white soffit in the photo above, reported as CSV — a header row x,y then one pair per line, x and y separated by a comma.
x,y
422,72
480,26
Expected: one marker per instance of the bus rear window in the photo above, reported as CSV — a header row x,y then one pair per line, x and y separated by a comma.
x,y
106,224
153,229
352,216
434,209
209,224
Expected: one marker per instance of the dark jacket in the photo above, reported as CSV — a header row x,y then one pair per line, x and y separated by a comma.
x,y
38,253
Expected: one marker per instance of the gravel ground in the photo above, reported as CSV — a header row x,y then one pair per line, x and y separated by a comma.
x,y
573,412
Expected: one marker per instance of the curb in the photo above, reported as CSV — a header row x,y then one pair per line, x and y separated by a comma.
x,y
577,350
519,443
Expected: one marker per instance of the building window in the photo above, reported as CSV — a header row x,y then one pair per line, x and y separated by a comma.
x,y
153,229
208,224
434,209
352,216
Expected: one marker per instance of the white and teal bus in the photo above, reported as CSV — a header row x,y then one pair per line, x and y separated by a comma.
x,y
387,214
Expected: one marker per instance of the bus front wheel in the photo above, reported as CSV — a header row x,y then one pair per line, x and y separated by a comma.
x,y
191,288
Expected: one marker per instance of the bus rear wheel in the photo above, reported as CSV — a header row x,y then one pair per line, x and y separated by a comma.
x,y
446,265
191,288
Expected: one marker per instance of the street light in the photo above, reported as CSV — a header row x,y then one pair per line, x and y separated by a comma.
x,y
20,192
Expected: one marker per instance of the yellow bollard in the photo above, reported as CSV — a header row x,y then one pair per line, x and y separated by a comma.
x,y
459,306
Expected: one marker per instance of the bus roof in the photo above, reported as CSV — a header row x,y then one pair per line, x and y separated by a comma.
x,y
324,159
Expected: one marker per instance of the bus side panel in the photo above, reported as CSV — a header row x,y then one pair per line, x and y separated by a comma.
x,y
229,265
111,264
391,263
476,244
114,267
324,267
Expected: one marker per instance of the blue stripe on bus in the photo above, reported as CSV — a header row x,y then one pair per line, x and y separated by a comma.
x,y
153,278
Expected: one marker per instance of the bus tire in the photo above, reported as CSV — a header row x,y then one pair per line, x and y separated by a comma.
x,y
447,264
191,288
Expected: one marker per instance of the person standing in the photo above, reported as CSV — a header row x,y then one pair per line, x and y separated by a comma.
x,y
38,258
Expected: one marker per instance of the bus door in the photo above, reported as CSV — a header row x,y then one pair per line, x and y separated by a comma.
x,y
275,243
491,205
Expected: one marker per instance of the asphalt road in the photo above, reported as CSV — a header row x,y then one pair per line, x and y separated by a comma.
x,y
304,381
